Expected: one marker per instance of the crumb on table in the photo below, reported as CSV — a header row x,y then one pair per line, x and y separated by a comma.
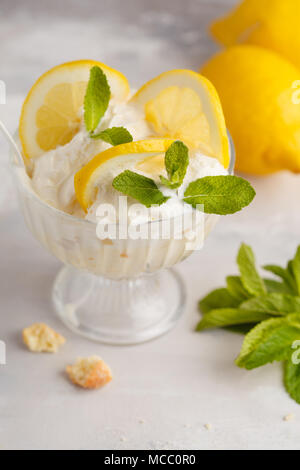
x,y
208,426
41,338
90,372
288,417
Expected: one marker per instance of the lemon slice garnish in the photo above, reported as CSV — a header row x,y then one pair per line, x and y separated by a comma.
x,y
51,112
183,105
144,155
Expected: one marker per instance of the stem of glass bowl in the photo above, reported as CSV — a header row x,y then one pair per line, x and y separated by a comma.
x,y
119,312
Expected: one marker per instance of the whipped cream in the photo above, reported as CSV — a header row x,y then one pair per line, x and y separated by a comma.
x,y
53,173
80,245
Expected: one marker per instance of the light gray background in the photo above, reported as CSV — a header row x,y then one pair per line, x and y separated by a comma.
x,y
164,392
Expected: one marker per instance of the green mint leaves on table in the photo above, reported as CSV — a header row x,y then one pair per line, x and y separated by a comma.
x,y
222,317
271,340
265,310
292,379
176,163
114,136
139,187
286,276
251,280
218,194
221,195
294,267
236,289
96,102
96,99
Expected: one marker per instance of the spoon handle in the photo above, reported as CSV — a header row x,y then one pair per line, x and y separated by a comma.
x,y
12,142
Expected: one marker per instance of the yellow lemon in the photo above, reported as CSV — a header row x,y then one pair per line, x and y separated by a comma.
x,y
273,24
261,105
183,105
144,155
51,112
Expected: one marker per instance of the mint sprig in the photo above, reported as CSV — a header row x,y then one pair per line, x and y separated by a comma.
x,y
220,195
218,298
251,280
271,340
176,163
216,194
96,102
273,304
222,317
292,379
285,275
295,269
236,288
139,187
114,136
265,310
277,286
96,98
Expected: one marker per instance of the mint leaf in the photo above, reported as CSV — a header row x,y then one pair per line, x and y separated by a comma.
x,y
290,268
273,304
220,194
229,316
139,187
176,162
296,268
268,308
284,274
292,380
269,341
251,280
277,287
219,298
114,136
236,288
240,329
96,98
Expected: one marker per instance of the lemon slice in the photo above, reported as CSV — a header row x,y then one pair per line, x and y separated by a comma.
x,y
182,104
144,155
51,112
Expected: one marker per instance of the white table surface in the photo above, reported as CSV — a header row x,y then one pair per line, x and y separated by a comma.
x,y
165,391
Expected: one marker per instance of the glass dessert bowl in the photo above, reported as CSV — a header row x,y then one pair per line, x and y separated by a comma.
x,y
118,285
121,291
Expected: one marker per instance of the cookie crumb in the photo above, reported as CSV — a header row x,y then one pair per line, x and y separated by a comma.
x,y
208,426
141,421
39,337
90,372
288,417
107,241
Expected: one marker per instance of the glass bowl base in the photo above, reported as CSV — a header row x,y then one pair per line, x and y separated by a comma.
x,y
119,312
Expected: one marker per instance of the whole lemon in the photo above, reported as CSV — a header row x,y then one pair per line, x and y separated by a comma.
x,y
258,91
273,24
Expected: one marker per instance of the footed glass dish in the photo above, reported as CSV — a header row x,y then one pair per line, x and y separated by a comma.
x,y
120,291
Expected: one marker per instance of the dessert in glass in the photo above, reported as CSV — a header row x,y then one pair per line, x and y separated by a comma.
x,y
106,180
